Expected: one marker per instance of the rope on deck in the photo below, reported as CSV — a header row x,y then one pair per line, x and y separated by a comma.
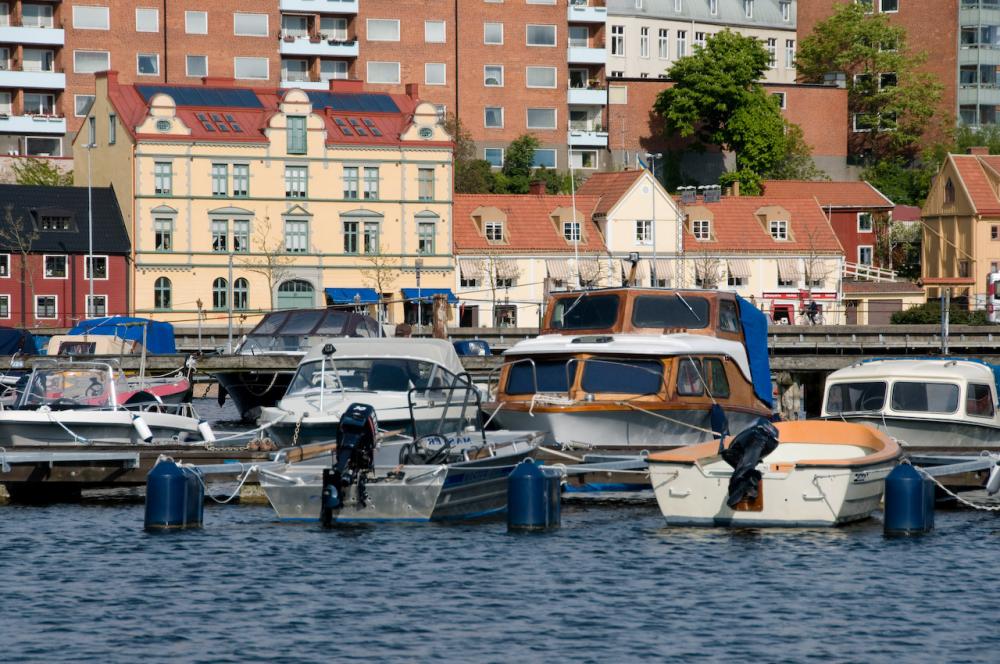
x,y
964,501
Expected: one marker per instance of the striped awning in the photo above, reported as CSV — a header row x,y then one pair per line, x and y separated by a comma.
x,y
741,268
664,269
590,269
506,268
470,268
641,272
788,268
559,269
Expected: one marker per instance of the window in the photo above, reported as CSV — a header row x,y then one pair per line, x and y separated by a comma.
x,y
541,118
586,159
493,117
579,36
88,62
371,183
790,53
60,222
689,378
701,229
663,44
715,373
161,293
618,40
779,229
38,59
544,158
372,242
434,73
333,27
748,8
733,280
91,131
949,191
494,156
296,181
995,233
893,5
963,269
383,29
643,42
4,265
979,400
39,103
196,23
713,7
220,179
350,182
425,184
250,68
681,43
772,53
82,104
112,129
84,17
241,294
147,64
163,178
4,306
425,237
147,20
571,231
434,32
350,237
220,288
241,180
46,307
332,69
541,35
296,236
540,77
493,33
781,98
865,255
297,134
383,72
250,25
163,234
220,234
493,76
241,236
864,222
786,10
55,267
855,397
551,376
924,397
100,264
644,231
622,376
494,231
197,65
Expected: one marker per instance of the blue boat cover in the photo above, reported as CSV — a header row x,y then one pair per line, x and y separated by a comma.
x,y
346,295
755,334
427,294
14,340
159,336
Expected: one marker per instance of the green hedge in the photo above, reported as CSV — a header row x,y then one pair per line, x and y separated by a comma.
x,y
930,313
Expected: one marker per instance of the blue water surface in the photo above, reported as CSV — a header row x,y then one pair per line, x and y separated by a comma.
x,y
84,583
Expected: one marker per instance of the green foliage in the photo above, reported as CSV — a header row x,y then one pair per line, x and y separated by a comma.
x,y
894,101
474,177
904,241
40,172
518,159
929,313
904,183
796,163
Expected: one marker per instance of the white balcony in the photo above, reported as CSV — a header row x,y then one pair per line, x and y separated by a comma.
x,y
588,138
19,34
588,96
587,55
46,80
320,6
31,124
305,85
303,46
586,14
986,95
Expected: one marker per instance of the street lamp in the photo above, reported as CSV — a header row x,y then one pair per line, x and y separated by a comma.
x,y
652,169
419,264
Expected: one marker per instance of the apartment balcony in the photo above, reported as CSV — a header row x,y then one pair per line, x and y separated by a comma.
x,y
304,84
586,12
974,13
586,55
588,96
320,6
45,80
978,54
308,46
32,124
986,94
588,137
23,34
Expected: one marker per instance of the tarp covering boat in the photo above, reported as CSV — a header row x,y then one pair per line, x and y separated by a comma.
x,y
755,333
159,336
14,340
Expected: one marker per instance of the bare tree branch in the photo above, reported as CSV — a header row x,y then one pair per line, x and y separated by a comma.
x,y
270,259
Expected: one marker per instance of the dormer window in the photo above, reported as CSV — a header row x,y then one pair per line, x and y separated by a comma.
x,y
494,231
701,229
779,230
56,223
571,231
949,191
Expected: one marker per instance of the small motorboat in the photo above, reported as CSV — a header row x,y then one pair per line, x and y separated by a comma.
x,y
802,473
374,477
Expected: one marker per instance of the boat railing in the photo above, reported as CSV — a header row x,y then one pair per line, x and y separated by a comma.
x,y
461,387
494,375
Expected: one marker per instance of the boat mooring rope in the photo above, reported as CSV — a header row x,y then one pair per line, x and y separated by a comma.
x,y
964,501
664,417
235,493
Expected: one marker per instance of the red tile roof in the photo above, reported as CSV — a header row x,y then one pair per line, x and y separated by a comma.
x,y
977,182
737,228
830,194
881,287
529,226
609,187
906,213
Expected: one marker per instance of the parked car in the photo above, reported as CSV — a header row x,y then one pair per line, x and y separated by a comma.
x,y
467,347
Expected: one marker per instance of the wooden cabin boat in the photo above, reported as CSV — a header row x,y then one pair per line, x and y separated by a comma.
x,y
636,369
821,473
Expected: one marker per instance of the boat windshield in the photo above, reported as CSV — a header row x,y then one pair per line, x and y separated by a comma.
x,y
84,386
369,375
585,312
670,311
921,397
551,376
622,376
295,330
855,397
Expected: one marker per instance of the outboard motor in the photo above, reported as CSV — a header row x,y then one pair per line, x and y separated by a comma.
x,y
743,454
354,460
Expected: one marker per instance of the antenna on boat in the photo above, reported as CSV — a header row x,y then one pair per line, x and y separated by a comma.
x,y
328,351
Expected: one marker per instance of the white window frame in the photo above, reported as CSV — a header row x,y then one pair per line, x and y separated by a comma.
x,y
107,17
555,78
871,222
88,304
618,37
552,151
502,118
575,229
267,62
187,25
56,312
368,68
644,42
493,225
4,266
107,267
701,229
368,23
156,15
486,77
267,25
156,60
489,43
778,230
86,50
663,44
555,35
435,66
555,118
187,67
871,253
782,99
76,101
45,273
502,154
444,32
643,233
8,316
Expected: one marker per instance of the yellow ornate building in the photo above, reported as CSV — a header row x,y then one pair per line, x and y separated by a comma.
x,y
247,199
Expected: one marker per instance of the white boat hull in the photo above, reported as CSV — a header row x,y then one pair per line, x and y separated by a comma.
x,y
929,433
92,427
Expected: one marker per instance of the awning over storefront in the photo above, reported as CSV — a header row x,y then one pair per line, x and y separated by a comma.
x,y
470,268
559,269
664,269
641,271
352,295
788,268
590,269
427,294
740,268
506,268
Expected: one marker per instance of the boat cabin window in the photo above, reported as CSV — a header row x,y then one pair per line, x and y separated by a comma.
x,y
371,375
715,373
622,376
77,348
729,320
694,376
586,312
924,397
979,400
333,324
80,386
270,324
855,397
670,311
551,376
302,322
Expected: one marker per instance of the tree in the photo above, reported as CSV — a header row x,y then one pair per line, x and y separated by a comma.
x,y
517,163
18,236
269,258
40,172
887,97
708,272
381,273
472,176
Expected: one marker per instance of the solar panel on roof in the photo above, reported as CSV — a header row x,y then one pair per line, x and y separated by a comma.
x,y
192,96
353,103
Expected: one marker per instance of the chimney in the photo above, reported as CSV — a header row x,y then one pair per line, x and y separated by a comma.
x,y
736,187
347,85
218,81
537,188
979,150
413,91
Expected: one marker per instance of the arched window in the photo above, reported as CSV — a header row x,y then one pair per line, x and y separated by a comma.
x,y
219,292
241,294
161,294
296,294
